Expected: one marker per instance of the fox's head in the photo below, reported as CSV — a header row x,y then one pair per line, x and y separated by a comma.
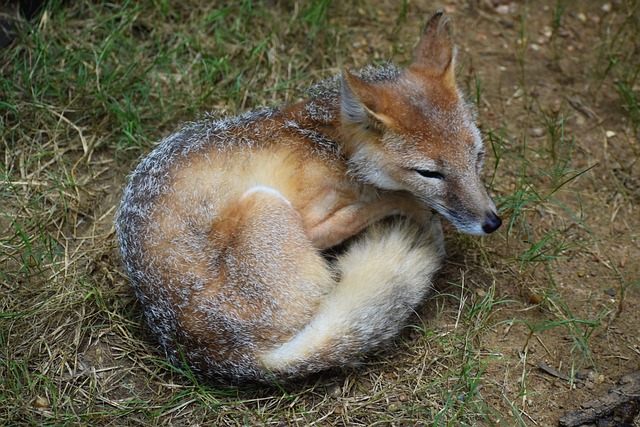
x,y
416,132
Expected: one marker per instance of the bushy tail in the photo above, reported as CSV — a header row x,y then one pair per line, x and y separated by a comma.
x,y
384,276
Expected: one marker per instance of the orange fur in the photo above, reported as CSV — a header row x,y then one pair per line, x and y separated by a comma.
x,y
221,227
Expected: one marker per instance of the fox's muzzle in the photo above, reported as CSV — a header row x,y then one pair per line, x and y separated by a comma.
x,y
491,223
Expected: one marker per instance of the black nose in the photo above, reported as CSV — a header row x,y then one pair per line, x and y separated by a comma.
x,y
492,223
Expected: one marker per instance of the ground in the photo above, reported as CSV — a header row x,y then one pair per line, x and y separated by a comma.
x,y
527,324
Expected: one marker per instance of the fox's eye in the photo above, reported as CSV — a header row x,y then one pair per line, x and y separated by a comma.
x,y
430,174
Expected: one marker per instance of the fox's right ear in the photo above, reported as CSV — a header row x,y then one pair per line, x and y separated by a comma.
x,y
362,103
435,52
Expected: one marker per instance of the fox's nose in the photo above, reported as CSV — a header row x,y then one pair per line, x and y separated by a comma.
x,y
492,223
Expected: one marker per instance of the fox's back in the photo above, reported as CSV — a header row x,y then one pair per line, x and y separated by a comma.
x,y
194,171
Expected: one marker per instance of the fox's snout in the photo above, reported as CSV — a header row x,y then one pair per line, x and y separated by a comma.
x,y
466,222
491,223
468,206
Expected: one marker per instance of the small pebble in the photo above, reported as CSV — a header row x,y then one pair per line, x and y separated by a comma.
x,y
394,406
535,299
42,402
537,132
334,390
503,9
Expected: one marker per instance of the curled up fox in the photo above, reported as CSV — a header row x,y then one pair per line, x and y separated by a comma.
x,y
223,227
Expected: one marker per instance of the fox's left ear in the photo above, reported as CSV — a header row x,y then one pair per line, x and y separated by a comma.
x,y
363,103
434,55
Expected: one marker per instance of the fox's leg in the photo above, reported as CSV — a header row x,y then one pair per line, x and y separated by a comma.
x,y
269,281
266,243
353,218
384,276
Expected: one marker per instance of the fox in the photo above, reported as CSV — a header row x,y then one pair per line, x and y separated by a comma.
x,y
287,241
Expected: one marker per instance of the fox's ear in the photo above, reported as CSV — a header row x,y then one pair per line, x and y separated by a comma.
x,y
434,55
362,103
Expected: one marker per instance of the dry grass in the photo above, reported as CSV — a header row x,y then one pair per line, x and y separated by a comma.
x,y
88,87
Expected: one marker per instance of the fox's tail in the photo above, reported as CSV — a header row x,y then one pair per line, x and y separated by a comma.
x,y
384,276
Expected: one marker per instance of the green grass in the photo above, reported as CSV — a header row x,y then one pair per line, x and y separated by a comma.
x,y
87,89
